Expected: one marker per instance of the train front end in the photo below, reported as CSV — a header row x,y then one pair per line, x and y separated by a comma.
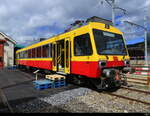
x,y
113,57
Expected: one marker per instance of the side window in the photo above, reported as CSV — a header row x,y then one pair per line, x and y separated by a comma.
x,y
33,53
82,45
50,50
39,52
29,53
45,51
26,54
17,56
21,54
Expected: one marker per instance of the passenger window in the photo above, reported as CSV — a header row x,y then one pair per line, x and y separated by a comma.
x,y
82,45
45,51
21,54
26,54
29,53
50,50
17,56
33,53
39,52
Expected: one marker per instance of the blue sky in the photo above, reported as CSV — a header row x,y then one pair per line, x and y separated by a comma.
x,y
27,20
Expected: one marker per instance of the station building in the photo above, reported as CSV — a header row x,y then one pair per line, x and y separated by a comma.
x,y
138,50
7,45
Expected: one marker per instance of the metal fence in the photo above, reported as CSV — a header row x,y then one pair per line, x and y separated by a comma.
x,y
139,60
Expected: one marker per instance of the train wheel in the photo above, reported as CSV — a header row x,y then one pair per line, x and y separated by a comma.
x,y
100,84
75,79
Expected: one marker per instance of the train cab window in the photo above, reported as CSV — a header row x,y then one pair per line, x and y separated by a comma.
x,y
108,43
45,51
82,45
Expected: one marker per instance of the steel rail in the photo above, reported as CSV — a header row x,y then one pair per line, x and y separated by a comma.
x,y
128,98
137,79
137,82
137,90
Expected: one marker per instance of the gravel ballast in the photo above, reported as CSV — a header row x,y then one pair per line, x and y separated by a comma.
x,y
103,103
64,97
52,102
82,100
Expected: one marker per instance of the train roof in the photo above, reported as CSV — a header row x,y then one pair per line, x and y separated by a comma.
x,y
97,25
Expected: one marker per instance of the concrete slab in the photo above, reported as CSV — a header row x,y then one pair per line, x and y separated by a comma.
x,y
24,89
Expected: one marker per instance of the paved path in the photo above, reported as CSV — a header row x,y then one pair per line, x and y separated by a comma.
x,y
23,89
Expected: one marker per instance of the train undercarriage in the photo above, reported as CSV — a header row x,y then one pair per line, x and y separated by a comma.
x,y
110,78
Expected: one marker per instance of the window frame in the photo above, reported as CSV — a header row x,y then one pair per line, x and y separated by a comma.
x,y
75,37
47,55
115,35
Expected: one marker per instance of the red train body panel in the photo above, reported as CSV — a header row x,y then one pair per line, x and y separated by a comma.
x,y
90,69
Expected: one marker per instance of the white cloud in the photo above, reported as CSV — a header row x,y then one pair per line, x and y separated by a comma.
x,y
20,19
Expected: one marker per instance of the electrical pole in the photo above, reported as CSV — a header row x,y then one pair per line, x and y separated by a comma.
x,y
145,35
113,6
113,12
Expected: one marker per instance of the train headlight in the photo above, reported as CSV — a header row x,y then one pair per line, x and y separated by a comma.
x,y
102,64
127,63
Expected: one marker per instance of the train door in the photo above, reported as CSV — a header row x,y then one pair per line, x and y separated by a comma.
x,y
67,55
61,56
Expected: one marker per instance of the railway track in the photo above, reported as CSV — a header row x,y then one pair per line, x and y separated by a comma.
x,y
128,98
137,90
5,102
137,81
131,90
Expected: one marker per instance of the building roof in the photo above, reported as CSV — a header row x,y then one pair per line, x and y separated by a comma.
x,y
19,46
8,38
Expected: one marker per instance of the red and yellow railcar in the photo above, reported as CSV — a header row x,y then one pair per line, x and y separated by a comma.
x,y
96,51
